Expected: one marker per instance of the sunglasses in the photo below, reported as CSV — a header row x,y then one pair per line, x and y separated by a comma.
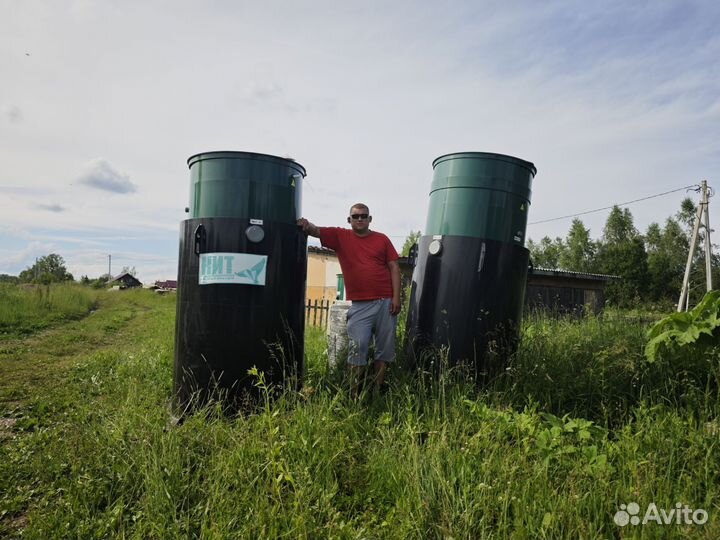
x,y
359,216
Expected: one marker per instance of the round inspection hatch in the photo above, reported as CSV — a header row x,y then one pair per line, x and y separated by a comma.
x,y
255,233
435,247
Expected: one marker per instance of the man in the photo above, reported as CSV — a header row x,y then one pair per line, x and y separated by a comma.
x,y
372,281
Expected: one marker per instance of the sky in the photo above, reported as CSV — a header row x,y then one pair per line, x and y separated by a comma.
x,y
101,104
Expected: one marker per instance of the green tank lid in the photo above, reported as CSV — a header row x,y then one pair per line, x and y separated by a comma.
x,y
482,195
245,185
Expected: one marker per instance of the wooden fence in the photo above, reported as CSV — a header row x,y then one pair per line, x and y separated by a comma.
x,y
316,313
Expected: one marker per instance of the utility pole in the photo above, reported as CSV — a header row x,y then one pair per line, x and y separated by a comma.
x,y
109,267
708,245
702,211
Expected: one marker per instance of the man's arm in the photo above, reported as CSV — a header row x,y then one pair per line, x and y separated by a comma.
x,y
395,279
309,228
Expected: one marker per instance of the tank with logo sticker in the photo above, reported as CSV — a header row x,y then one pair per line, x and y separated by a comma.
x,y
241,279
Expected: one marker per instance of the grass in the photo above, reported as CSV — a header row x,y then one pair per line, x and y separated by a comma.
x,y
27,308
577,425
595,368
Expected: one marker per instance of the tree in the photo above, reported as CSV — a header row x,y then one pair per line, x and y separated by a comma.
x,y
101,282
686,214
579,252
650,267
628,260
622,253
619,226
47,269
653,237
7,278
547,253
412,239
128,270
667,253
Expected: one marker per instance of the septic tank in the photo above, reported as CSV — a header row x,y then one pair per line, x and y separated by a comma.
x,y
468,283
241,279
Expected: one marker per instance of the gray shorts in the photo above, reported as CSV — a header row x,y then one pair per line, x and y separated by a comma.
x,y
364,319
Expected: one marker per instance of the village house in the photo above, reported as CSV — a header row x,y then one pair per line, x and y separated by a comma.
x,y
125,281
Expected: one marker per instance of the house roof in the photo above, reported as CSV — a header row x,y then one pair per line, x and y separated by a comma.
x,y
320,250
119,277
570,274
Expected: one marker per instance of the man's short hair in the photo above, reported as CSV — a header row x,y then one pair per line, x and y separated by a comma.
x,y
361,206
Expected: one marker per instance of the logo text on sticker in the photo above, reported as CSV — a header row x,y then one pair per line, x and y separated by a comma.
x,y
234,268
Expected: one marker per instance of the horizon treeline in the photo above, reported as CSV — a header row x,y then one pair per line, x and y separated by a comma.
x,y
651,265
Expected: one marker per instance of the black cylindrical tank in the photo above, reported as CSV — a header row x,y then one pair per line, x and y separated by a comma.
x,y
468,285
241,278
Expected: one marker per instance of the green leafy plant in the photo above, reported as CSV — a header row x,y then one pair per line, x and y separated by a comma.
x,y
698,328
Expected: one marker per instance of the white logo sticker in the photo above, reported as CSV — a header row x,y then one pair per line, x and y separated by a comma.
x,y
235,268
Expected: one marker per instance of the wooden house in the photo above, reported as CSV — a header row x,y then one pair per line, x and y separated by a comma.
x,y
125,281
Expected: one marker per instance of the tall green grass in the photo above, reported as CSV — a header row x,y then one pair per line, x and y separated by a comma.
x,y
27,308
596,368
577,426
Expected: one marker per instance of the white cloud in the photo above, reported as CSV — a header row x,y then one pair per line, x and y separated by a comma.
x,y
101,175
11,262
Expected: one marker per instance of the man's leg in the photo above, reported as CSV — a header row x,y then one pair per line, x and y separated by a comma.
x,y
357,375
385,325
359,330
380,368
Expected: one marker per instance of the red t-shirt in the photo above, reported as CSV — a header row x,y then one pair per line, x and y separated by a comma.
x,y
364,261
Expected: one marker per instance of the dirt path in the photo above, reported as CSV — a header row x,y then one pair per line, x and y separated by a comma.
x,y
37,363
40,365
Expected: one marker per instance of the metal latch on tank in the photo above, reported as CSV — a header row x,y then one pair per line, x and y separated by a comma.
x,y
199,236
412,256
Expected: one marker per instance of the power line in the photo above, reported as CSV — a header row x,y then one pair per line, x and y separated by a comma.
x,y
692,186
612,206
